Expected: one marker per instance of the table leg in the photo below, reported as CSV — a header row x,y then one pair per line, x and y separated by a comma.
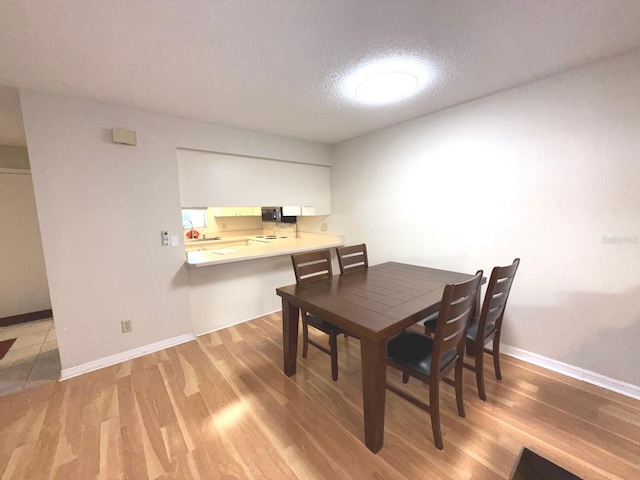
x,y
374,378
290,315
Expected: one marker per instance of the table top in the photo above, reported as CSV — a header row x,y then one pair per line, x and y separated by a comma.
x,y
376,302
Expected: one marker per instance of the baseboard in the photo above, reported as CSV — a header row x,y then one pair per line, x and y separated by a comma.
x,y
25,317
588,376
68,373
15,171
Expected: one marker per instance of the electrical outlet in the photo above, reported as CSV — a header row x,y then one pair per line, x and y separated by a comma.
x,y
126,326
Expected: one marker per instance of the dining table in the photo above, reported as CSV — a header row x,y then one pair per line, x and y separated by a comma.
x,y
372,304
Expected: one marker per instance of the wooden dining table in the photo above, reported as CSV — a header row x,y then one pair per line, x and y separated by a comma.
x,y
372,304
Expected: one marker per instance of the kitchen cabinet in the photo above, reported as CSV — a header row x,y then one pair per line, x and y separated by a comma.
x,y
308,211
300,211
291,211
234,181
237,211
224,212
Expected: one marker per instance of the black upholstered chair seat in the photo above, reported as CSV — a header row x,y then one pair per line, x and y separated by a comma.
x,y
413,350
321,324
472,332
430,322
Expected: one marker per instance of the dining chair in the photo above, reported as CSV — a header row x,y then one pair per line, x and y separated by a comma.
x,y
430,359
487,325
313,267
353,257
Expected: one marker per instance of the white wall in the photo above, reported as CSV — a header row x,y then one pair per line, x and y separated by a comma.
x,y
23,280
231,293
543,172
102,207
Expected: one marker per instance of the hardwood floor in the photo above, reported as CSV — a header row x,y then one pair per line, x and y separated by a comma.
x,y
220,407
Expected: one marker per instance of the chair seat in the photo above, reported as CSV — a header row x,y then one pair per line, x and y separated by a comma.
x,y
431,321
321,324
472,332
413,350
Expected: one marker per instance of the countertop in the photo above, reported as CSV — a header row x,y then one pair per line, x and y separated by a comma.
x,y
305,242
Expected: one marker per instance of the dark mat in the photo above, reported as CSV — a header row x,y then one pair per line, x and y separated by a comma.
x,y
532,466
5,345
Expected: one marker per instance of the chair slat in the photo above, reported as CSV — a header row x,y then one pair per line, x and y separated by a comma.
x,y
455,312
312,266
353,257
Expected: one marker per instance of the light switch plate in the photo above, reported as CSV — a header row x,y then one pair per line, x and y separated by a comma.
x,y
165,238
174,241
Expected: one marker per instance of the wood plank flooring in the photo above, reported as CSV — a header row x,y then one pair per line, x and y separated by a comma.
x,y
220,407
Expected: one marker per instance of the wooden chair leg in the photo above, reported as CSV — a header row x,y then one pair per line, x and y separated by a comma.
x,y
458,383
405,377
471,349
333,348
496,356
434,407
479,368
305,338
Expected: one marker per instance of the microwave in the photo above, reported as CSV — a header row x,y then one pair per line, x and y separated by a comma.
x,y
274,214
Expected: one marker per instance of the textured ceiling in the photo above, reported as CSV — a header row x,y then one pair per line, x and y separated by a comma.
x,y
276,66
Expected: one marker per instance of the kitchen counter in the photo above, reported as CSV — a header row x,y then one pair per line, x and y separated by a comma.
x,y
238,249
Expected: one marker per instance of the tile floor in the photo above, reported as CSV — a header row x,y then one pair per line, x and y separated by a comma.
x,y
33,359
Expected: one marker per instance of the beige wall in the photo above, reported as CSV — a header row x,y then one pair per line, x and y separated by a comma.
x,y
14,157
23,281
547,172
102,207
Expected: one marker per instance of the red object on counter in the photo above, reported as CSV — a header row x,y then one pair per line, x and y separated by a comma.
x,y
193,234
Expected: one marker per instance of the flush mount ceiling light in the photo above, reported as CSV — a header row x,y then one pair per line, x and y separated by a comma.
x,y
387,81
386,87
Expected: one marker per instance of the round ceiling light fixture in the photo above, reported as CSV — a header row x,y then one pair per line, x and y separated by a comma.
x,y
387,87
387,81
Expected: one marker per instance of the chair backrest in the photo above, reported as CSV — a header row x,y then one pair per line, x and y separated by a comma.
x,y
353,257
456,310
312,266
495,300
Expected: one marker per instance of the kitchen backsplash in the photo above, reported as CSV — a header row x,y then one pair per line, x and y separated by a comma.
x,y
289,229
220,226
